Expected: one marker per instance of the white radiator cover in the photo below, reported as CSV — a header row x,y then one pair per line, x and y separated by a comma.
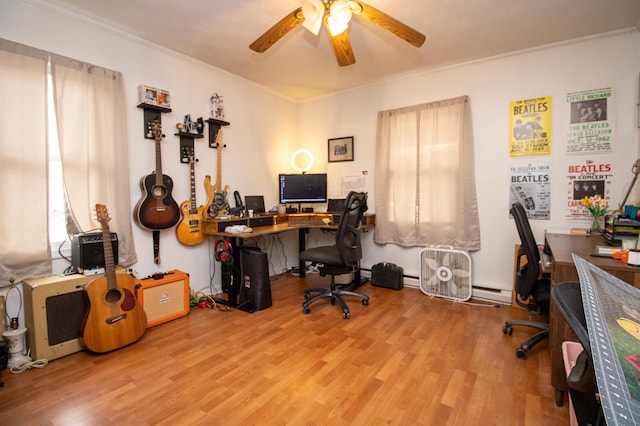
x,y
477,292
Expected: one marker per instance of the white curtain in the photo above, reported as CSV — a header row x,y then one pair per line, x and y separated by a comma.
x,y
92,131
24,242
425,179
93,147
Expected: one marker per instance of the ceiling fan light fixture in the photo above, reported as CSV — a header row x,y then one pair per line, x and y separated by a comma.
x,y
313,11
339,17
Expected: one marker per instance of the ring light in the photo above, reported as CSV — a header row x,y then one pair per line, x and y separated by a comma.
x,y
294,162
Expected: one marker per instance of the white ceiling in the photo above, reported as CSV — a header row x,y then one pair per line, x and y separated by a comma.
x,y
301,65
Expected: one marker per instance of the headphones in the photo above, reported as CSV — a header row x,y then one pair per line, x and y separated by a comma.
x,y
223,252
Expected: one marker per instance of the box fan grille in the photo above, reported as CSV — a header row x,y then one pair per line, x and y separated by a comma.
x,y
445,273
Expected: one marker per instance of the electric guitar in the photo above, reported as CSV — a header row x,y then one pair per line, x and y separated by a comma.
x,y
115,318
217,204
156,209
189,230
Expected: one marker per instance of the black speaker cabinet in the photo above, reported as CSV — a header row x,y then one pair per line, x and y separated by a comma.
x,y
255,289
54,312
87,251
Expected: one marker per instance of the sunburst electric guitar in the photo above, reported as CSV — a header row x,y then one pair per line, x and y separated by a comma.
x,y
217,204
115,318
189,230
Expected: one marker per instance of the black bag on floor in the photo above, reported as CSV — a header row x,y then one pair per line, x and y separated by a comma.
x,y
387,275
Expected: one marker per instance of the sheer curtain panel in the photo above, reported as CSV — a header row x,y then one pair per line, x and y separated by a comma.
x,y
425,179
91,118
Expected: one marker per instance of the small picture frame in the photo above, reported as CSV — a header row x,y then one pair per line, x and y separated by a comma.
x,y
341,149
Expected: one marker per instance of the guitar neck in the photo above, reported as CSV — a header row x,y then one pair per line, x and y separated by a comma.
x,y
193,185
109,263
219,146
158,162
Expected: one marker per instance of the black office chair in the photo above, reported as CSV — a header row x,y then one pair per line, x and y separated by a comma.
x,y
341,258
532,288
582,384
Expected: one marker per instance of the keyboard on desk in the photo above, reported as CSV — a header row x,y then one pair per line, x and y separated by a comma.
x,y
307,223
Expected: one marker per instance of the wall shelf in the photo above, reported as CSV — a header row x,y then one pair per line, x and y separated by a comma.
x,y
151,113
214,128
186,145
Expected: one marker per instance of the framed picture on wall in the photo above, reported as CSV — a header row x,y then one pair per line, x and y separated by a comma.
x,y
341,149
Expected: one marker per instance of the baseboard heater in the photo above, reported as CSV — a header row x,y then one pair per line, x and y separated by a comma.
x,y
477,292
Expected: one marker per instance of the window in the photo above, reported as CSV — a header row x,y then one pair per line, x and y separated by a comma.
x,y
425,186
91,165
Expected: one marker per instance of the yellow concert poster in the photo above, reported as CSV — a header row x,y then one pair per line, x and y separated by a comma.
x,y
530,127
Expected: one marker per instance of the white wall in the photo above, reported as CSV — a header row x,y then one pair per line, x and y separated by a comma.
x,y
266,128
607,61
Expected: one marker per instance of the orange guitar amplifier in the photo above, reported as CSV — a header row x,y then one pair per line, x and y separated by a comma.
x,y
164,297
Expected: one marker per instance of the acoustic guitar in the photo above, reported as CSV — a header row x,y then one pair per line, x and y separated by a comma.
x,y
189,230
217,204
115,318
156,209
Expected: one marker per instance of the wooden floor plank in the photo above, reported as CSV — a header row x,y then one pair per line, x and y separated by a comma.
x,y
407,358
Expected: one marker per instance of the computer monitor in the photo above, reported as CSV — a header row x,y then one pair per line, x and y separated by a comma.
x,y
303,188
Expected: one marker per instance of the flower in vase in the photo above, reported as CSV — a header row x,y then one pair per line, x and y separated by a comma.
x,y
597,206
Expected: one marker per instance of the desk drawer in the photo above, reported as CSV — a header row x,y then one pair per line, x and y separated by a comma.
x,y
256,222
223,225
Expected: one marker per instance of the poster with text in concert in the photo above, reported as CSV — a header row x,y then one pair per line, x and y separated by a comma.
x,y
530,127
586,178
531,186
590,127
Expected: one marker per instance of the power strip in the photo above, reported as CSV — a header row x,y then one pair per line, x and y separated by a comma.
x,y
94,271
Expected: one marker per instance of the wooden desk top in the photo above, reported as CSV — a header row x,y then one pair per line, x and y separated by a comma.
x,y
281,224
562,246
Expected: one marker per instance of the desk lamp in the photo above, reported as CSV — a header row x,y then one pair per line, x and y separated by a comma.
x,y
15,335
635,169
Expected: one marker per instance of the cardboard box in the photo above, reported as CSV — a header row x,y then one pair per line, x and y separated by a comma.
x,y
164,298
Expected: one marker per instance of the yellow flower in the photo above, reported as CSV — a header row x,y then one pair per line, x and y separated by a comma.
x,y
596,205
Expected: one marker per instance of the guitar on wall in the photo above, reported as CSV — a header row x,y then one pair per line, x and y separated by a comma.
x,y
156,209
217,204
115,318
189,230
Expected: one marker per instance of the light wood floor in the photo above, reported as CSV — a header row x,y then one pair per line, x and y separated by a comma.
x,y
407,358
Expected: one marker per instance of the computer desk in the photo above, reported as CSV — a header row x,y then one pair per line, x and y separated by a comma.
x,y
562,268
268,225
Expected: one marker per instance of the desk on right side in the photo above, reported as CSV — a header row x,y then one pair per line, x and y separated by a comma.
x,y
564,269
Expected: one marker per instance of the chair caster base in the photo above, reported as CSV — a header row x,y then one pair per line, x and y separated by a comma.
x,y
521,353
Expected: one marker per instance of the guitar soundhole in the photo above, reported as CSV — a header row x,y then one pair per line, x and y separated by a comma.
x,y
159,191
112,296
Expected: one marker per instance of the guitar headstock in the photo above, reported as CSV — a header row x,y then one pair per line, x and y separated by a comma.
x,y
102,215
156,130
218,141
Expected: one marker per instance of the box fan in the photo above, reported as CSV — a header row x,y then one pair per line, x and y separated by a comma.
x,y
445,272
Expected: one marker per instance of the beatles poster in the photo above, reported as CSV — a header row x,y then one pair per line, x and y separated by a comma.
x,y
590,122
586,178
530,127
531,186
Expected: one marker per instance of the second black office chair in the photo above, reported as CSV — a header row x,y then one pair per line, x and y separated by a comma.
x,y
341,258
533,289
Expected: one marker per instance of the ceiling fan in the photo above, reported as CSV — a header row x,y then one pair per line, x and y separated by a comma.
x,y
336,15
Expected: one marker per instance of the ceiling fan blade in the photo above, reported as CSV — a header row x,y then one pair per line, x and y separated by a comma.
x,y
380,18
279,30
341,46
